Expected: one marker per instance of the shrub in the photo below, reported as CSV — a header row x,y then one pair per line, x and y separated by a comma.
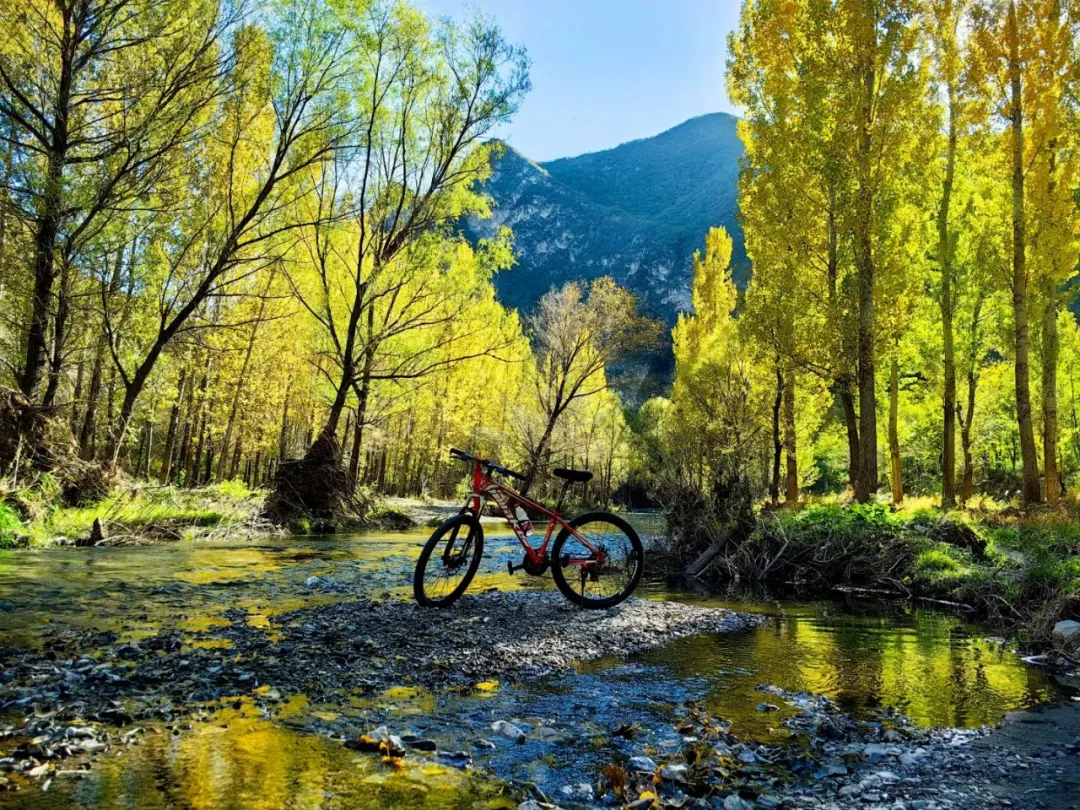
x,y
11,527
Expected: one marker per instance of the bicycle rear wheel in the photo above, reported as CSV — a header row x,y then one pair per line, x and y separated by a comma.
x,y
449,561
604,577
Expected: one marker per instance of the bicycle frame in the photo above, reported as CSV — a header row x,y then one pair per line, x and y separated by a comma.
x,y
484,487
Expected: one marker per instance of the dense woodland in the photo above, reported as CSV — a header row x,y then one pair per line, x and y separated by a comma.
x,y
231,236
228,235
909,200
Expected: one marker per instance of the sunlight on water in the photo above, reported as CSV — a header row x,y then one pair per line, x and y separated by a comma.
x,y
926,663
237,761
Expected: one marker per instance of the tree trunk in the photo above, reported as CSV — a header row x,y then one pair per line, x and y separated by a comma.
x,y
238,388
77,394
791,496
328,434
843,379
1049,398
894,439
774,483
174,424
193,475
363,396
851,422
48,224
183,458
148,432
945,249
191,468
538,454
208,471
89,426
283,436
234,465
1029,459
59,337
968,485
867,481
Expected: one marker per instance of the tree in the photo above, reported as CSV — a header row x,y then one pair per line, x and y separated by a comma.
x,y
99,97
795,180
424,100
272,129
829,90
1023,58
943,27
1052,170
579,333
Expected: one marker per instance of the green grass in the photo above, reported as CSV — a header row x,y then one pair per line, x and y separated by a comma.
x,y
938,565
132,510
11,527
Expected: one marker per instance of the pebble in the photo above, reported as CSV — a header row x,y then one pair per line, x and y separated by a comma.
x,y
674,772
508,730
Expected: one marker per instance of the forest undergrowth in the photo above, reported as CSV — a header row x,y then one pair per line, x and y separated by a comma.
x,y
135,513
1017,569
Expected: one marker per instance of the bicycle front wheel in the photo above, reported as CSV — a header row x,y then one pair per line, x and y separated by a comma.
x,y
449,561
605,574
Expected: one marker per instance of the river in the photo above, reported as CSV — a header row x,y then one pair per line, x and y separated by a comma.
x,y
867,655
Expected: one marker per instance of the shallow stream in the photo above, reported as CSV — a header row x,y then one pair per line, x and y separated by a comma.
x,y
924,662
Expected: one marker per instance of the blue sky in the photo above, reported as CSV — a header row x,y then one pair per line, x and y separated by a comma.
x,y
609,71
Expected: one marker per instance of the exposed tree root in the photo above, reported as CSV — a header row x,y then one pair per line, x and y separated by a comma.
x,y
34,442
316,492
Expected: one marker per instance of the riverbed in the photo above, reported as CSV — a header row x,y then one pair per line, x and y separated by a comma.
x,y
869,657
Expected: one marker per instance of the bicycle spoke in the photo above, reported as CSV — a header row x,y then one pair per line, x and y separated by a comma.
x,y
606,569
448,566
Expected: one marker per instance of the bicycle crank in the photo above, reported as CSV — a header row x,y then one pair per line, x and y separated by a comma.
x,y
529,567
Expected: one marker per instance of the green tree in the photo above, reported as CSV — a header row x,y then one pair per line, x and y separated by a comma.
x,y
578,334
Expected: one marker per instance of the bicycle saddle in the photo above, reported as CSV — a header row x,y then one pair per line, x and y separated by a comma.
x,y
575,476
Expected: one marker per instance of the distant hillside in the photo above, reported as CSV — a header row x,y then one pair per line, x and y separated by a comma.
x,y
636,212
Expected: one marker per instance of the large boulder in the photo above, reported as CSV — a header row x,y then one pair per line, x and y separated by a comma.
x,y
1066,634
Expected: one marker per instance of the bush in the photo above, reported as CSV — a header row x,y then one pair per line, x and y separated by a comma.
x,y
938,566
11,527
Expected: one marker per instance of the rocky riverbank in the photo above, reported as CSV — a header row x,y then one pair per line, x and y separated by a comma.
x,y
841,763
62,701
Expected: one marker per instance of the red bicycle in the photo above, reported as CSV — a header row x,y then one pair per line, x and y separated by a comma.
x,y
596,561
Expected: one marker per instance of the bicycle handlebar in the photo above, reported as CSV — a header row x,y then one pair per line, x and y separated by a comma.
x,y
461,455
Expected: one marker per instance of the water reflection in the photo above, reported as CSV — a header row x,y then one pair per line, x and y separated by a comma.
x,y
235,760
923,662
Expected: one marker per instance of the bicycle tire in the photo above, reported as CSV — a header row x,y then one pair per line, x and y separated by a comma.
x,y
476,535
557,561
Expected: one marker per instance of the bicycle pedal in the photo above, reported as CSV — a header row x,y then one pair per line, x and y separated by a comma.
x,y
512,568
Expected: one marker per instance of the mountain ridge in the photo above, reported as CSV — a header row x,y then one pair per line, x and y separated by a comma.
x,y
636,211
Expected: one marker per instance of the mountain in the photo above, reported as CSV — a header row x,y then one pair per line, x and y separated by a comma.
x,y
636,212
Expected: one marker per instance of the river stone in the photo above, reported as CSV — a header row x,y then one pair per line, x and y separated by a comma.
x,y
419,743
547,734
455,759
1067,632
674,773
508,730
644,764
